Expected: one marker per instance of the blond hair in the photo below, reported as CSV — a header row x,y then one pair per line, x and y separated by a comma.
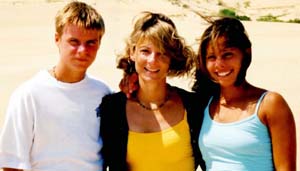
x,y
162,31
80,14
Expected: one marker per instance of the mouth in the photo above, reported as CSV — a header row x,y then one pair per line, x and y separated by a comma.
x,y
83,60
152,70
224,74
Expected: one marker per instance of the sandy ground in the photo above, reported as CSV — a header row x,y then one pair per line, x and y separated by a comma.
x,y
27,45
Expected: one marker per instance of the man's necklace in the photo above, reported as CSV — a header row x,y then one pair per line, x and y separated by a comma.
x,y
54,73
151,108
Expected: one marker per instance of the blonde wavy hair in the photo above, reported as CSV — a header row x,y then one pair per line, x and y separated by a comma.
x,y
159,29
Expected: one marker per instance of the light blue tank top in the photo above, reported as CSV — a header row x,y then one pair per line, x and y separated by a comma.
x,y
244,145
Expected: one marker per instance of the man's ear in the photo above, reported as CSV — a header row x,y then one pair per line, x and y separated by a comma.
x,y
56,38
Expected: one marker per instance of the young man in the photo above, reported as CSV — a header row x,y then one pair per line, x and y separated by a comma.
x,y
51,122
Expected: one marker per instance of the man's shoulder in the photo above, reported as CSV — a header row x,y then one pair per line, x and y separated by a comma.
x,y
28,89
99,84
31,83
115,97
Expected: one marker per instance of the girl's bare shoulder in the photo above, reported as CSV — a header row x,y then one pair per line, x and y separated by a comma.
x,y
274,107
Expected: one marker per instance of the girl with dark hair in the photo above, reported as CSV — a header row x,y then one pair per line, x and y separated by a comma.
x,y
244,127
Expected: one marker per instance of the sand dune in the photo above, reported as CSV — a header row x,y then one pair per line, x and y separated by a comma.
x,y
27,43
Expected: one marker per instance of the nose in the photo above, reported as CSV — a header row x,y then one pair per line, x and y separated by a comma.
x,y
152,57
219,63
81,48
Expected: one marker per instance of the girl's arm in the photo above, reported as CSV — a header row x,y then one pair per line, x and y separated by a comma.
x,y
280,121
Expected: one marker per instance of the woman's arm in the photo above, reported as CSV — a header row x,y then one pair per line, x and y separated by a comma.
x,y
10,169
281,124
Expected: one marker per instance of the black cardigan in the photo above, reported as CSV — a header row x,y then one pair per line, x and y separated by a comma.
x,y
114,128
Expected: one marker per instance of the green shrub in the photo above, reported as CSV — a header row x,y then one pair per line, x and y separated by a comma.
x,y
227,13
296,20
231,13
243,17
269,18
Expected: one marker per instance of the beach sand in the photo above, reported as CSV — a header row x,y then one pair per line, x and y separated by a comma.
x,y
27,45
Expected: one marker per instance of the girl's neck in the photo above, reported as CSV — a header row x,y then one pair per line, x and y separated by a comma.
x,y
233,93
154,93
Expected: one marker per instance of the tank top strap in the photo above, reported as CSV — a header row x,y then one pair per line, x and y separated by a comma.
x,y
259,101
209,102
185,115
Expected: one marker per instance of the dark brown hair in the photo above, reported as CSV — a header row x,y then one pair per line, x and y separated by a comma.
x,y
235,36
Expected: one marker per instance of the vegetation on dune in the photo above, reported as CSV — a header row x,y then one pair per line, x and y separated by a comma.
x,y
235,11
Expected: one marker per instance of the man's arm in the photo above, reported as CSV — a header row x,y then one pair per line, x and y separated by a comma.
x,y
129,84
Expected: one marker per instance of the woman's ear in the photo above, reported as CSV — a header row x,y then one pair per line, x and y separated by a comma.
x,y
132,53
249,51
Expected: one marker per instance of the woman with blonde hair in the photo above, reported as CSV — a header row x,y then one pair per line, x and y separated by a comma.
x,y
158,127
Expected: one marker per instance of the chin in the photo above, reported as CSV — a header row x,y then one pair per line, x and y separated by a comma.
x,y
147,78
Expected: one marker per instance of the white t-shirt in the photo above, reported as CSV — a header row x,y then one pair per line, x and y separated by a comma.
x,y
53,126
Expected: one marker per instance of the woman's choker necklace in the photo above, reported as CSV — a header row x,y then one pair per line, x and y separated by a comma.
x,y
153,108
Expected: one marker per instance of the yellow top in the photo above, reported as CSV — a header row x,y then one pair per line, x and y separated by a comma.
x,y
167,150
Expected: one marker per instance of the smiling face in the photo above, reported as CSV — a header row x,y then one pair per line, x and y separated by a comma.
x,y
77,47
224,34
223,63
150,62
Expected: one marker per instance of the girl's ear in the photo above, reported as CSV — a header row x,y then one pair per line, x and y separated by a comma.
x,y
249,51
